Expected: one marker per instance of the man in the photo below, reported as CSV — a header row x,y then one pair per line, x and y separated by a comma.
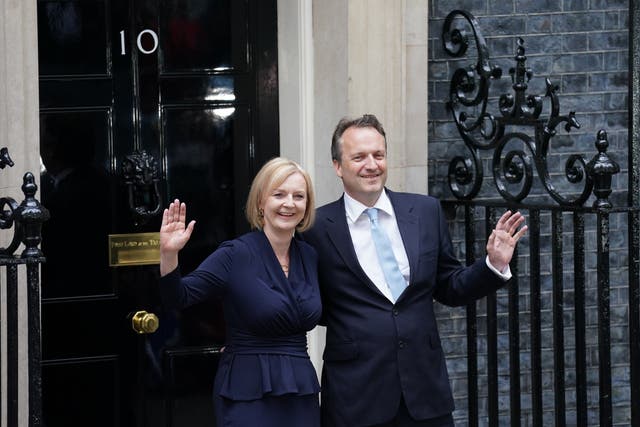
x,y
383,362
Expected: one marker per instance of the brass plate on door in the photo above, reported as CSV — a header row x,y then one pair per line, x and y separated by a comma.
x,y
134,249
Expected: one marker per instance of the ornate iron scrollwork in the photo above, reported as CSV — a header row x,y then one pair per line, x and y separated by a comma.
x,y
141,176
480,130
26,218
6,215
6,222
5,159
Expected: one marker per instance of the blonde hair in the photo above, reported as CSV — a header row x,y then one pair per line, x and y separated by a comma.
x,y
269,177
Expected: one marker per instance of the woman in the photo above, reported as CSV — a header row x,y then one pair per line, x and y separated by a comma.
x,y
268,282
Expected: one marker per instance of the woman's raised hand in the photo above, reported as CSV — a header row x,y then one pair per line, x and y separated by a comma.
x,y
174,233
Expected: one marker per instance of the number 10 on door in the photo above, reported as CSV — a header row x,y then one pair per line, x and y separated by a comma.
x,y
141,34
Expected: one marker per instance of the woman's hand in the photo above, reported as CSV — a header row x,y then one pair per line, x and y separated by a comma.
x,y
174,234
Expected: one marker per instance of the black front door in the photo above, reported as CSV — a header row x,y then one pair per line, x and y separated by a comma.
x,y
143,101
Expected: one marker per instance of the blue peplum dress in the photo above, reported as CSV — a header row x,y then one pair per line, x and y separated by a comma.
x,y
265,377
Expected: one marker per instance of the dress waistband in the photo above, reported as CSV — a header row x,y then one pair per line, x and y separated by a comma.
x,y
294,345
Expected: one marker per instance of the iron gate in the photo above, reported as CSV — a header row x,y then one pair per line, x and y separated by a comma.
x,y
26,221
575,259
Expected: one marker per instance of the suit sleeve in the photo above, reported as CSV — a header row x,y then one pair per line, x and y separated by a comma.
x,y
455,284
208,280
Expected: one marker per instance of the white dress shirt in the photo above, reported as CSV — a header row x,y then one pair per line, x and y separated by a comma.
x,y
360,230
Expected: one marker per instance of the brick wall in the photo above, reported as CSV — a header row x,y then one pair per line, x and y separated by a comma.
x,y
582,46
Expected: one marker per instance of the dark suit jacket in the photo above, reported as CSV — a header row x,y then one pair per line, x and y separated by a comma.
x,y
377,351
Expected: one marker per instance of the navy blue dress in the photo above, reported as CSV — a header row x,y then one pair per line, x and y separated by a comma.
x,y
265,377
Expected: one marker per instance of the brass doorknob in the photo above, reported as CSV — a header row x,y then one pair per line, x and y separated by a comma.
x,y
144,323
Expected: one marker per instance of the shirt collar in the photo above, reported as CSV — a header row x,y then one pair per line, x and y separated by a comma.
x,y
354,208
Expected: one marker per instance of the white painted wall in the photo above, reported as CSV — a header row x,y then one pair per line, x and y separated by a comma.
x,y
19,132
341,58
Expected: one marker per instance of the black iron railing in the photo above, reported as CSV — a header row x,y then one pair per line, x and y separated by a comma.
x,y
26,221
554,285
569,284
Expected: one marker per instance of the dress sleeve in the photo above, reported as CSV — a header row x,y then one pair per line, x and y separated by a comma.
x,y
208,280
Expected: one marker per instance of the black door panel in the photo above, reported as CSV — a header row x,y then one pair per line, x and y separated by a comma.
x,y
72,38
193,84
222,24
207,152
76,398
83,318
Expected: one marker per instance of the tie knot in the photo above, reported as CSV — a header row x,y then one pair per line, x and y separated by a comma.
x,y
372,213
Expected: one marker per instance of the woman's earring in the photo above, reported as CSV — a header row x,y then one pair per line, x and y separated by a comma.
x,y
261,212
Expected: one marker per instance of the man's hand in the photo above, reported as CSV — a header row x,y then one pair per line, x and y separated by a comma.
x,y
503,239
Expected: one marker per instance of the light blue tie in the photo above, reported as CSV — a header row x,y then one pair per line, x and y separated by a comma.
x,y
388,262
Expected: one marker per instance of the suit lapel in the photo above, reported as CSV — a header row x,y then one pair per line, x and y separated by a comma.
x,y
338,233
408,224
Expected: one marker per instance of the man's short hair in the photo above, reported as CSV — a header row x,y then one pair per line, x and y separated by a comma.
x,y
366,121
